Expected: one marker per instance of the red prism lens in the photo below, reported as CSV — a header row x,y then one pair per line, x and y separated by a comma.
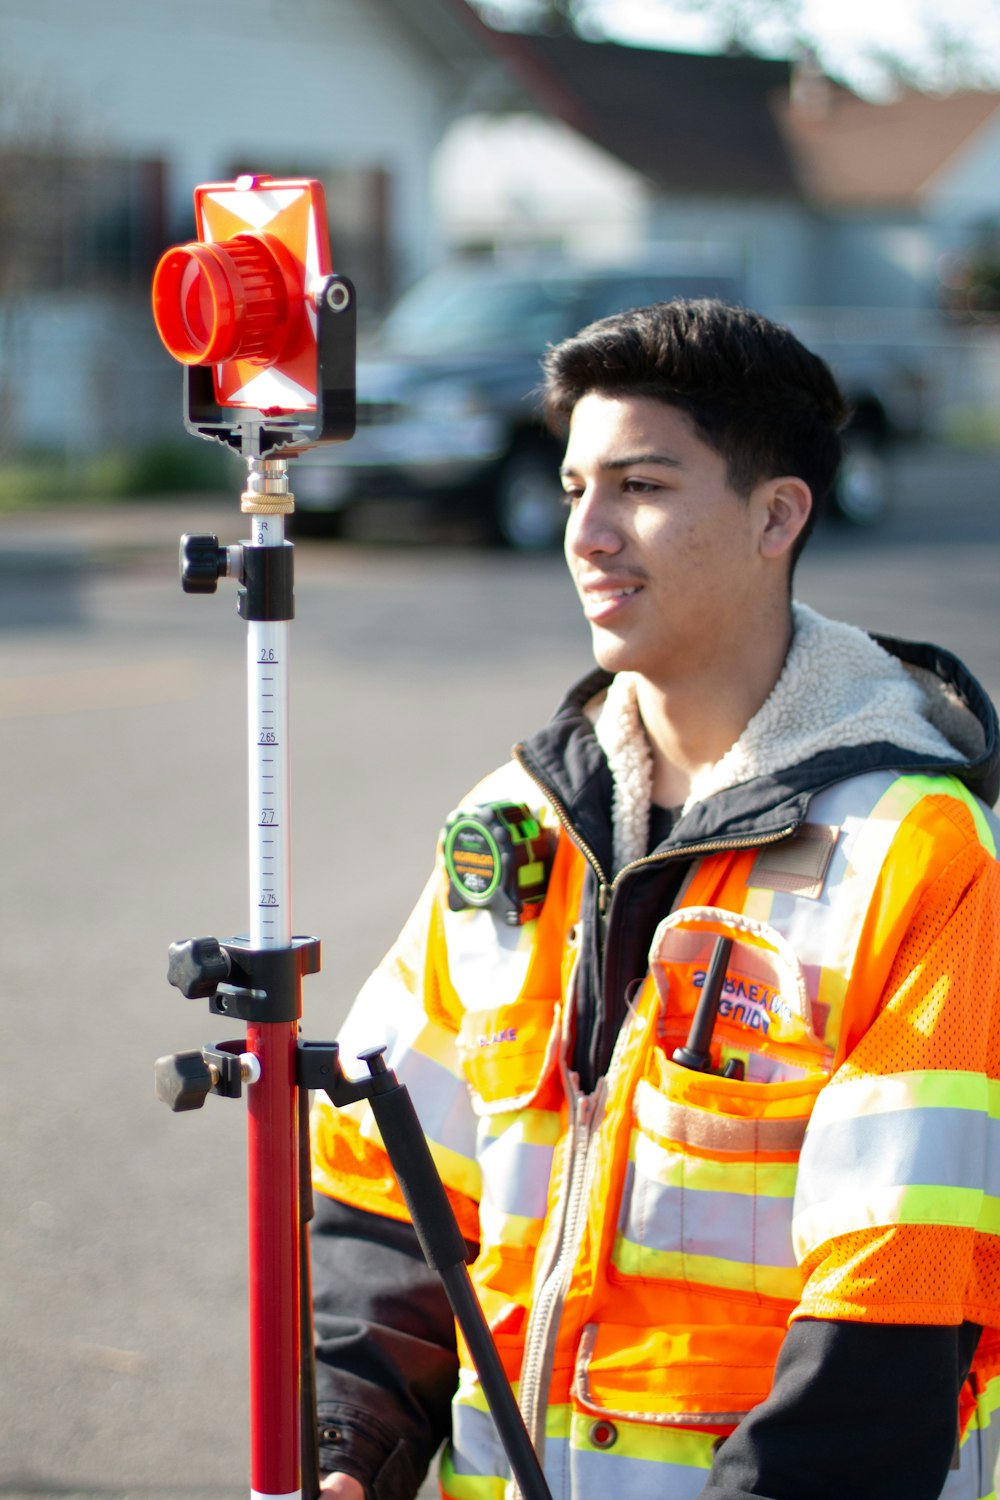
x,y
238,298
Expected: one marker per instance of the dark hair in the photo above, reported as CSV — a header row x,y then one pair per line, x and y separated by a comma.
x,y
751,390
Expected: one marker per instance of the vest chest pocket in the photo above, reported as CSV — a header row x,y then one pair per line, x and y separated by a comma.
x,y
708,1186
508,1052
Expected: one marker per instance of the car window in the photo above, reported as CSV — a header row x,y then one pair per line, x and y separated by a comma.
x,y
467,310
474,314
615,294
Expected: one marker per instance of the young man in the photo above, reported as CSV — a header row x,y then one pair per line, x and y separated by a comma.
x,y
735,1238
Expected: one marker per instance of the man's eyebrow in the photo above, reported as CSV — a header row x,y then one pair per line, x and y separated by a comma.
x,y
629,459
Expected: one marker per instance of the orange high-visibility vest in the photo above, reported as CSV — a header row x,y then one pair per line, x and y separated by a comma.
x,y
643,1248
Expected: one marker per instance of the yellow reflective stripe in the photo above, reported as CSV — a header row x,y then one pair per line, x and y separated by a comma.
x,y
706,1270
937,1089
703,1174
457,1172
515,1230
987,1404
645,1440
535,1127
961,1208
759,1179
469,1486
950,786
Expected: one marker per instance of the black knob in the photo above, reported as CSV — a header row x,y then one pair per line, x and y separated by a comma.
x,y
182,1080
197,967
203,563
374,1059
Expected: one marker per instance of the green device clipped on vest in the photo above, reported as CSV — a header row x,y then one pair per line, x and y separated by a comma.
x,y
498,856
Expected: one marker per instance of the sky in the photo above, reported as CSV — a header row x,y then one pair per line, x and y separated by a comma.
x,y
849,34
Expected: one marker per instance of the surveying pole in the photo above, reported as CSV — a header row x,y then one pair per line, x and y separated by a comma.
x,y
266,333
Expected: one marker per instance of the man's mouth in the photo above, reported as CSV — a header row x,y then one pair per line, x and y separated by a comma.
x,y
604,599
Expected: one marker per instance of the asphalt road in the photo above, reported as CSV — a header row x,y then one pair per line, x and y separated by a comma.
x,y
122,1279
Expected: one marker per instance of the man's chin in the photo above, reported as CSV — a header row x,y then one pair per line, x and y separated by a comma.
x,y
610,652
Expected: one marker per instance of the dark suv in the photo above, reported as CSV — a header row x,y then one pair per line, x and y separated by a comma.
x,y
447,407
448,410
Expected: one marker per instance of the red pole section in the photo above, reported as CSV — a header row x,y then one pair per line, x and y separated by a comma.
x,y
273,1208
272,1121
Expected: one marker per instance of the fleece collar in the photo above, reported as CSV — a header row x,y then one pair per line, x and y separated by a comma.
x,y
839,688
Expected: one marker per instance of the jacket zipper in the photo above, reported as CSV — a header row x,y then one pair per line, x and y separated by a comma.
x,y
543,1323
546,1312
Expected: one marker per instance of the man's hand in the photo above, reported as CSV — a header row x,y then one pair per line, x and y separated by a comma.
x,y
341,1487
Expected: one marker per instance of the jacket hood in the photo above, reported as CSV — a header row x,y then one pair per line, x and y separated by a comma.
x,y
846,703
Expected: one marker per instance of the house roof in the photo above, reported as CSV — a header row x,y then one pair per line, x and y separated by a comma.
x,y
689,123
736,125
851,152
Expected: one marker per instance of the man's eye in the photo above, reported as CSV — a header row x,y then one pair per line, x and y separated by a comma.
x,y
571,493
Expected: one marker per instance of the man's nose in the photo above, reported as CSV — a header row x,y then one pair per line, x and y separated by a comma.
x,y
591,527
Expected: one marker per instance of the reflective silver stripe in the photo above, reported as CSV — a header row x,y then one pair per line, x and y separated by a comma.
x,y
441,1101
597,1475
977,1462
516,1175
476,1448
745,1227
712,1132
919,1147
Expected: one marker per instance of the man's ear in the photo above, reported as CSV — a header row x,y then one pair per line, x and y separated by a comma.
x,y
786,503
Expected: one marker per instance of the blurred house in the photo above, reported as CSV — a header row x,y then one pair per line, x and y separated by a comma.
x,y
110,113
433,133
817,197
873,228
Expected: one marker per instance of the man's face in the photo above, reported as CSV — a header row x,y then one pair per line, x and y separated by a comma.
x,y
664,554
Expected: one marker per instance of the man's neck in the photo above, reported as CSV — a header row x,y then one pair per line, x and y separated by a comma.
x,y
691,724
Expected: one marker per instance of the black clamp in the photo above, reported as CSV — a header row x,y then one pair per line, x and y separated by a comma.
x,y
252,984
185,1079
268,589
266,574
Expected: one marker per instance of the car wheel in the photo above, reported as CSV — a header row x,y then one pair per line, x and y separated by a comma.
x,y
862,495
529,514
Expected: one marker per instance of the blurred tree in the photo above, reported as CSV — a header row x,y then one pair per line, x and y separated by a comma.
x,y
944,51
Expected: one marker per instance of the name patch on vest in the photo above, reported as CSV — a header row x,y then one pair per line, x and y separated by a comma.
x,y
797,866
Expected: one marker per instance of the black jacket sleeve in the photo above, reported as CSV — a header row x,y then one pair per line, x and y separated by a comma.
x,y
861,1409
386,1362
